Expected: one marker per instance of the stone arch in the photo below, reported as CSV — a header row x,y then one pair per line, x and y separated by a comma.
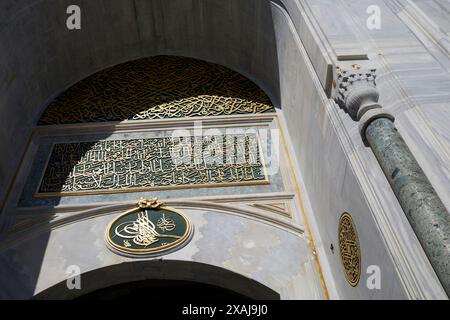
x,y
161,270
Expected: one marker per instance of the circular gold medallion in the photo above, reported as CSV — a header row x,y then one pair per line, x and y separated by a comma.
x,y
349,249
150,229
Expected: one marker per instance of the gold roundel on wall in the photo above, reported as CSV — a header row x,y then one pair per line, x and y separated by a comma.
x,y
149,229
349,249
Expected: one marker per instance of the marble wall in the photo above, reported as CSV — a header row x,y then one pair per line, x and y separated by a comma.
x,y
331,184
327,133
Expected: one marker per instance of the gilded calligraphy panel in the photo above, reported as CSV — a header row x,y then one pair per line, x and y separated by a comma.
x,y
112,166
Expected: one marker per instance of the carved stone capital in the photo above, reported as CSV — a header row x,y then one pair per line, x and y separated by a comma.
x,y
356,91
357,94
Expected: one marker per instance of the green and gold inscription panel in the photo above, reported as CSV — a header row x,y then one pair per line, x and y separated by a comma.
x,y
112,166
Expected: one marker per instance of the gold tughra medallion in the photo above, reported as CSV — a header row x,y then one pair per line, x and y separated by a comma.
x,y
149,229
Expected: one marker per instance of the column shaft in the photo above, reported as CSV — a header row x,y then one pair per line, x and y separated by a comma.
x,y
424,209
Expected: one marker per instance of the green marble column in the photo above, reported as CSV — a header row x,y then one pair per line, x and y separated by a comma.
x,y
357,94
424,209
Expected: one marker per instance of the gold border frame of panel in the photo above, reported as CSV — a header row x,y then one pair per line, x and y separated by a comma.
x,y
152,204
266,181
290,162
348,217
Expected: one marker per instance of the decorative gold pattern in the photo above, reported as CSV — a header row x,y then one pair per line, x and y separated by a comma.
x,y
156,88
349,249
149,203
150,228
146,164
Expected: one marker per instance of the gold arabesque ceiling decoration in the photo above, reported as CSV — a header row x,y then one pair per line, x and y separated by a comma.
x,y
156,88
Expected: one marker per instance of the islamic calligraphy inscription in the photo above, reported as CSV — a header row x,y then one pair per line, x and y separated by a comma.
x,y
152,163
157,88
148,230
349,249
